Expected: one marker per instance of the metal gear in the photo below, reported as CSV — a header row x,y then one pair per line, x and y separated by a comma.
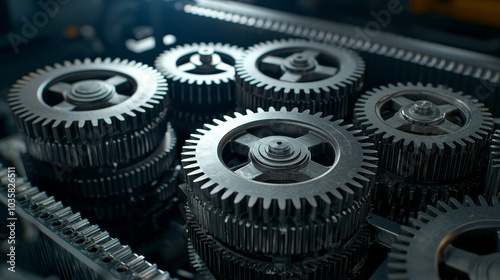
x,y
278,169
88,100
105,181
493,173
200,74
115,151
399,199
299,73
450,241
423,132
134,206
343,262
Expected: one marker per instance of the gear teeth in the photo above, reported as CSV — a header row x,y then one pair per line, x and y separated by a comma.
x,y
226,209
225,263
493,172
81,125
109,181
432,158
331,95
417,248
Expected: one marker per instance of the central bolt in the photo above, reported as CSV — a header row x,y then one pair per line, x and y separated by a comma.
x,y
88,87
279,148
423,107
300,60
206,55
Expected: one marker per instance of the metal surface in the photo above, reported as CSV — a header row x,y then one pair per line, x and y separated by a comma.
x,y
423,132
492,183
326,171
451,240
298,73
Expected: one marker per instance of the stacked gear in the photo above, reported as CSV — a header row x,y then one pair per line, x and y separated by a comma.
x,y
299,74
201,81
98,139
450,241
493,174
278,194
431,141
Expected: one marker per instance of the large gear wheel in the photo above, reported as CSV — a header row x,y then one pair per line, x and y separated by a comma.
x,y
493,173
399,199
280,169
450,241
299,73
200,74
424,132
109,181
88,100
343,262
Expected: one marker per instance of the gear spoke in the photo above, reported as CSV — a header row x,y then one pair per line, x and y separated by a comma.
x,y
310,53
117,98
447,108
311,140
290,77
396,121
61,87
460,259
187,67
314,169
401,101
116,80
246,140
249,171
448,127
65,106
224,67
325,70
273,60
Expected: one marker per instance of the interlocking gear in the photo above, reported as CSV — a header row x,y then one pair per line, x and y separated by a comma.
x,y
299,73
423,132
88,100
279,170
399,199
493,174
450,241
106,182
343,262
200,74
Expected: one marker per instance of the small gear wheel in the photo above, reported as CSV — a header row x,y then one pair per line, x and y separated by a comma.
x,y
450,241
399,199
279,169
88,100
343,262
425,133
200,75
299,73
493,173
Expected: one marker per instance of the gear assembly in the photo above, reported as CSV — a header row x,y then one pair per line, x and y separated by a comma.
x,y
296,152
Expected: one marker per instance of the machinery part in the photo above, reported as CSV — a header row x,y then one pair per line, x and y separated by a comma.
x,y
88,100
399,199
493,174
200,75
423,132
450,241
185,122
278,169
299,73
67,245
197,264
115,151
135,206
341,262
105,181
385,232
